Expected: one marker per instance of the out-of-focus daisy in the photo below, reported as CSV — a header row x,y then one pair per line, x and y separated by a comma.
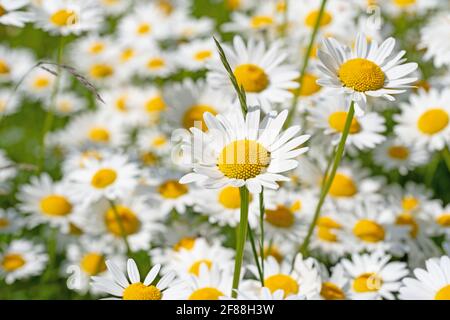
x,y
188,29
396,155
409,7
150,105
238,151
10,221
266,294
67,103
425,120
431,39
365,70
110,178
14,63
335,286
195,55
131,287
261,70
373,276
154,62
9,102
154,141
432,283
302,279
39,84
8,170
411,198
439,216
68,16
11,13
114,7
366,131
22,259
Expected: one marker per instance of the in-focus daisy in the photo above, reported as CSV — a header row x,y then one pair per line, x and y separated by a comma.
x,y
425,120
131,287
373,276
237,151
261,70
365,70
22,259
432,283
11,13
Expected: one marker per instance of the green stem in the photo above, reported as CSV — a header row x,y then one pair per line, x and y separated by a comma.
x,y
431,169
305,64
446,155
262,210
329,180
241,237
329,163
121,227
255,255
49,116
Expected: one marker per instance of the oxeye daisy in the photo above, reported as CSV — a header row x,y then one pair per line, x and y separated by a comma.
x,y
195,55
11,13
335,286
411,198
10,221
67,103
431,39
302,279
153,141
150,105
108,178
425,120
431,283
114,7
9,102
373,276
39,84
366,131
14,63
260,69
393,154
440,218
66,17
188,29
237,151
368,69
266,294
409,7
131,287
154,62
22,259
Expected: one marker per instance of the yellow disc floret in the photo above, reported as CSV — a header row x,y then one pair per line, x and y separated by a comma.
x,y
433,121
121,221
207,293
139,291
55,205
251,77
369,231
361,75
283,282
103,178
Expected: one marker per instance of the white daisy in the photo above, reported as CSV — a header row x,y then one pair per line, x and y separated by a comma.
x,y
11,13
10,221
9,102
431,39
335,286
195,55
14,63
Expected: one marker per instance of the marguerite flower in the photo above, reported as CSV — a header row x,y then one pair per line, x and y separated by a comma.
x,y
431,39
11,13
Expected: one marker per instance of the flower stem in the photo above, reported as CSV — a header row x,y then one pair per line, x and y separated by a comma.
x,y
306,58
255,255
240,241
329,180
121,227
262,210
431,169
446,156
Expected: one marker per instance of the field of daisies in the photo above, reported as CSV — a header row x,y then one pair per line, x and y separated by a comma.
x,y
225,149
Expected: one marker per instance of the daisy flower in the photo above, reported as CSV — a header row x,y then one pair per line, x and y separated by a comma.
x,y
66,17
335,286
9,102
109,178
11,13
365,70
39,84
439,216
8,171
265,294
14,63
431,39
67,103
261,70
412,198
186,28
196,55
22,259
409,7
10,221
150,105
238,151
393,154
154,62
425,120
431,283
373,276
131,288
114,7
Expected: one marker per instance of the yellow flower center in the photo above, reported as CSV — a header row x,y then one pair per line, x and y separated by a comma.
x,y
55,205
398,152
99,134
443,293
243,159
313,16
281,6
281,217
139,291
229,198
409,203
207,293
343,186
296,205
273,252
406,219
97,47
194,115
185,243
64,18
330,291
124,219
101,71
367,282
127,54
4,67
309,85
64,106
444,220
433,121
4,223
155,104
369,231
159,141
172,189
144,28
156,63
12,261
258,22
93,263
404,3
41,82
325,228
233,4
103,178
283,282
361,75
202,55
337,121
2,10
195,267
251,77
149,158
121,103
